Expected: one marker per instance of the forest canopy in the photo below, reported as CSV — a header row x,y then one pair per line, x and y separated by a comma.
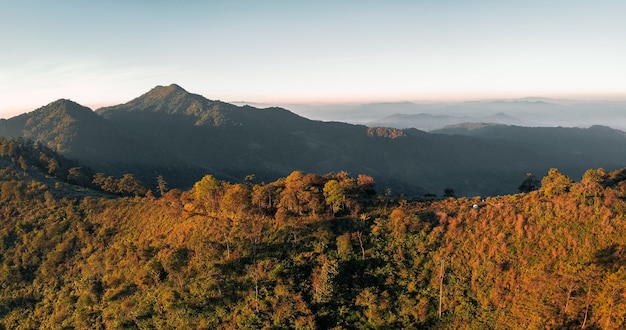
x,y
306,251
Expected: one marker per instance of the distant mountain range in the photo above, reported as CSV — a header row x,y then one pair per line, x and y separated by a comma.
x,y
530,111
182,136
428,122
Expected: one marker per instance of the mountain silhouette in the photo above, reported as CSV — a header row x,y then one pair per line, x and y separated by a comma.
x,y
183,136
64,126
429,122
572,147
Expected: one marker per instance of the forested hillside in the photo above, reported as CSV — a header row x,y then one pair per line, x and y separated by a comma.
x,y
308,251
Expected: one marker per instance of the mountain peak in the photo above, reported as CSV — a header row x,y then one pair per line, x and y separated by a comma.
x,y
62,107
174,100
62,102
56,125
167,90
171,99
164,93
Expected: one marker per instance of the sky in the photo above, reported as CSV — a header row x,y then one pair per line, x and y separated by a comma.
x,y
106,52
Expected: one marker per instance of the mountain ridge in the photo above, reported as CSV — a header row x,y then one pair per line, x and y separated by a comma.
x,y
182,136
57,123
430,122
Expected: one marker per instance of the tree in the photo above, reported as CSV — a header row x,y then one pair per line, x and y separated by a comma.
x,y
108,184
530,183
162,185
344,246
442,274
23,164
592,182
302,194
376,307
265,197
449,193
206,192
334,195
366,183
53,166
323,279
128,184
291,197
7,189
236,200
75,175
555,183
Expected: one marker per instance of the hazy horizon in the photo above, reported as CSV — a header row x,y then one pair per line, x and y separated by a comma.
x,y
330,103
531,111
277,52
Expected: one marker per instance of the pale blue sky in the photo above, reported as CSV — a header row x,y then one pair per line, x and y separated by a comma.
x,y
105,52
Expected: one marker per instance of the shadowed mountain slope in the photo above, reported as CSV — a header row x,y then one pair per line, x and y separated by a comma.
x,y
183,136
572,147
79,133
235,141
68,128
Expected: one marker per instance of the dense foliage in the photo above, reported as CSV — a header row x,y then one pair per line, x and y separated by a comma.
x,y
311,251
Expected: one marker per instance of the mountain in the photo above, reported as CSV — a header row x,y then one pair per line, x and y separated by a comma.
x,y
58,124
360,114
78,132
572,147
68,128
225,139
429,122
232,142
182,136
173,100
531,111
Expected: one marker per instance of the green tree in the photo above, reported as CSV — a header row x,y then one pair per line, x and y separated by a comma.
x,y
334,195
344,246
323,279
108,184
265,197
293,197
592,182
555,183
206,192
129,184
